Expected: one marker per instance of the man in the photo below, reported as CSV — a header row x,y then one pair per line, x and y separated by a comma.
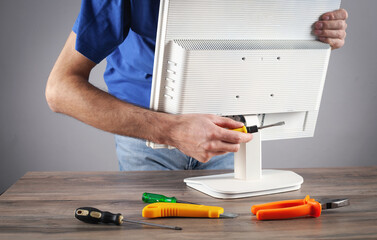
x,y
124,32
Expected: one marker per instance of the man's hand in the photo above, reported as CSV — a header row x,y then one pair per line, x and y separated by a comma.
x,y
203,136
331,28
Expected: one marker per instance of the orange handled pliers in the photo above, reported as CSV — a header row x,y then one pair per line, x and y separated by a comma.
x,y
296,208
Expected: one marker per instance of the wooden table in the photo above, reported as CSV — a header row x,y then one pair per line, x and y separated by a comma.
x,y
41,206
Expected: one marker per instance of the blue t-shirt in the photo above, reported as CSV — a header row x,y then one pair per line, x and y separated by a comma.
x,y
123,32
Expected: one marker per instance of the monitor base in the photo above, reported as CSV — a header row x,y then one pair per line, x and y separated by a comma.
x,y
225,186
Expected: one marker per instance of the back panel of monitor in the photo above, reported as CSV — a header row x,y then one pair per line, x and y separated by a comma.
x,y
242,57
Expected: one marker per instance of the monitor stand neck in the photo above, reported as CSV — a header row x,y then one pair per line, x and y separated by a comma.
x,y
248,160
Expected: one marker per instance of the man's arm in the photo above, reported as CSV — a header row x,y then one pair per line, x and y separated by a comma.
x,y
331,28
68,91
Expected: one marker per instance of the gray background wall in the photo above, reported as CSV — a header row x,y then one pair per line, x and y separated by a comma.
x,y
32,138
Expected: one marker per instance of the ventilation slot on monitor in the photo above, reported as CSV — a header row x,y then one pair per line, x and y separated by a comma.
x,y
170,81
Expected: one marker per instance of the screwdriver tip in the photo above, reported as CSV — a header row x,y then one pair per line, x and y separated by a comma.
x,y
177,228
272,125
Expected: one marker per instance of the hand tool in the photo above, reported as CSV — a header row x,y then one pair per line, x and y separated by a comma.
x,y
296,208
255,128
156,210
153,198
93,215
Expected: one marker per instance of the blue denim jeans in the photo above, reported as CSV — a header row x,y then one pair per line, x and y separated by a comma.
x,y
134,155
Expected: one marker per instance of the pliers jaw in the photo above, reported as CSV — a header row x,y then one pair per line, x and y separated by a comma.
x,y
334,203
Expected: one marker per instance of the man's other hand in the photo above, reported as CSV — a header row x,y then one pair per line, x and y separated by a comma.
x,y
331,28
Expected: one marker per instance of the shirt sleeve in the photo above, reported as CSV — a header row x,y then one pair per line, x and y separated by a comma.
x,y
101,27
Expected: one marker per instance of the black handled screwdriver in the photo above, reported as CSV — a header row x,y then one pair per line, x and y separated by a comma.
x,y
94,215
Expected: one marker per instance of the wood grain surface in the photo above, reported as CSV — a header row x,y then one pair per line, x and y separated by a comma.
x,y
41,205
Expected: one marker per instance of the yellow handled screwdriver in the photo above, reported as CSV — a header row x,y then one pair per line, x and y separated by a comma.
x,y
163,209
93,215
255,128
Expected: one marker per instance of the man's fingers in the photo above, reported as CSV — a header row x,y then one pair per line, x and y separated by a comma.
x,y
225,134
341,34
334,42
331,25
227,122
331,28
231,136
219,146
340,14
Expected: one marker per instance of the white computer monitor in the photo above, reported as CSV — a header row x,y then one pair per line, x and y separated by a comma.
x,y
252,58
